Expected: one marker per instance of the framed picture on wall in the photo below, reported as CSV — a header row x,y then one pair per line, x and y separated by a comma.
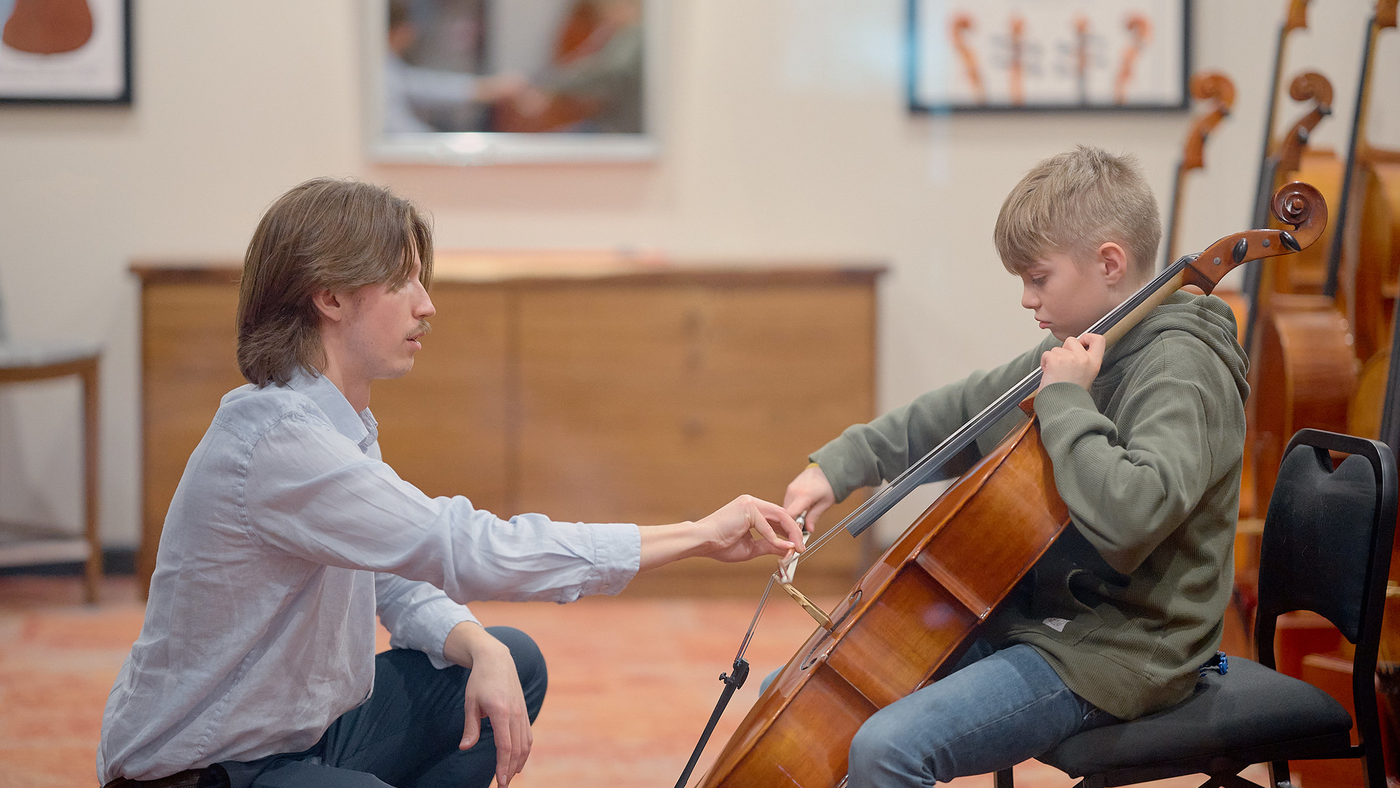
x,y
991,55
65,51
502,81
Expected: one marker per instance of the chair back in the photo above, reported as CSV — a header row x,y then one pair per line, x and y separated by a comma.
x,y
1326,549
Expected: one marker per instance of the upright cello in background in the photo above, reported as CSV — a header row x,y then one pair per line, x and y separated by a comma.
x,y
915,611
1369,246
1312,345
1302,367
1285,161
1216,88
1261,293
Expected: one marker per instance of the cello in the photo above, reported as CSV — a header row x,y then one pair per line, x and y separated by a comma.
x,y
1310,345
1301,371
1216,88
1369,244
1264,278
910,617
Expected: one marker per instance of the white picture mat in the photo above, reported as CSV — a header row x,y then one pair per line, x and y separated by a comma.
x,y
1050,75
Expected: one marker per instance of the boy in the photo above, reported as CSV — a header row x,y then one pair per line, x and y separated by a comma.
x,y
287,534
1146,439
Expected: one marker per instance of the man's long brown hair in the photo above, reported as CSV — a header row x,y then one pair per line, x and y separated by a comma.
x,y
325,234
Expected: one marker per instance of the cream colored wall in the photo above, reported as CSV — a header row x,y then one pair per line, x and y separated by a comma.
x,y
786,137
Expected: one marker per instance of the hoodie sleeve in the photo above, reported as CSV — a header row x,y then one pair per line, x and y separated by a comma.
x,y
867,454
1129,486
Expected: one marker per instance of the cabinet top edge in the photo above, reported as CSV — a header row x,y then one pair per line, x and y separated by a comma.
x,y
520,269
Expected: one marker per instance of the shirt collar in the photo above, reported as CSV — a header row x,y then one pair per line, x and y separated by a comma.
x,y
358,427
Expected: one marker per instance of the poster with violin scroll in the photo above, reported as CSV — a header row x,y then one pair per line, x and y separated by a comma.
x,y
1048,54
67,51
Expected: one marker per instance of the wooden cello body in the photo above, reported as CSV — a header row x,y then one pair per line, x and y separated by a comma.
x,y
1302,365
1370,245
910,617
907,618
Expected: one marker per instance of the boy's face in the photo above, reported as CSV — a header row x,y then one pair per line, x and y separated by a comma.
x,y
1066,298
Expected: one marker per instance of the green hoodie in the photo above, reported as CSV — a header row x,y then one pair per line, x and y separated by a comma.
x,y
1128,603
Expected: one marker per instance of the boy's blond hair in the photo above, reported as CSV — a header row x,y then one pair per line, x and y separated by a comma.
x,y
1075,202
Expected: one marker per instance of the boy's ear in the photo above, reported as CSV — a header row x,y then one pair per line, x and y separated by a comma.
x,y
1112,260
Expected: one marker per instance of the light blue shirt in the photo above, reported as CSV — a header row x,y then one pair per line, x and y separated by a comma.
x,y
286,535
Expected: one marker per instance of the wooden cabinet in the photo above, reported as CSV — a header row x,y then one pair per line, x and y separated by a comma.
x,y
596,391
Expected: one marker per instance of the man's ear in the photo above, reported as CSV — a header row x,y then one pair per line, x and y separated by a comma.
x,y
1113,262
330,304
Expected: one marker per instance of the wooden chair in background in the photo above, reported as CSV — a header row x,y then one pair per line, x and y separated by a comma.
x,y
28,544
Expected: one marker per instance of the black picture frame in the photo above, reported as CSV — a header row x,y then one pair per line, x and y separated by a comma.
x,y
96,72
1079,65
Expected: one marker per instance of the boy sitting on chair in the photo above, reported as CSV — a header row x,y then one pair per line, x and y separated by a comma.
x,y
1146,439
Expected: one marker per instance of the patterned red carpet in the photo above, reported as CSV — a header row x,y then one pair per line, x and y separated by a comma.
x,y
632,682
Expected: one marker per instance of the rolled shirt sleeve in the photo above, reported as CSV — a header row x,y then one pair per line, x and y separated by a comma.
x,y
323,502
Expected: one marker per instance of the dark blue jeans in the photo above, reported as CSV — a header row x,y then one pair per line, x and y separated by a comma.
x,y
406,734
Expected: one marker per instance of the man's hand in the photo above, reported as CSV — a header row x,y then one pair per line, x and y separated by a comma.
x,y
1077,362
493,692
727,530
810,492
738,531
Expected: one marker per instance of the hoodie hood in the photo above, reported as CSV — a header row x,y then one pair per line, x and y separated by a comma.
x,y
1206,318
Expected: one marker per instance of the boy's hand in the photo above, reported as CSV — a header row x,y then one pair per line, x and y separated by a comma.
x,y
810,492
1077,362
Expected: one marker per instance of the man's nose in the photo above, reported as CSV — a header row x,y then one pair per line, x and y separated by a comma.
x,y
425,307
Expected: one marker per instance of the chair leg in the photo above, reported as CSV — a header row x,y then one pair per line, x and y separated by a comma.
x,y
1004,779
93,571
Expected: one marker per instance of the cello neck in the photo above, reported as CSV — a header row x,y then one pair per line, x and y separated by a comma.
x,y
1205,86
1297,18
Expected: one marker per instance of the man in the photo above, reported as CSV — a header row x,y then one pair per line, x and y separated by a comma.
x,y
287,533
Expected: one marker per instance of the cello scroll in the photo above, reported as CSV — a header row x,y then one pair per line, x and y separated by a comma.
x,y
1297,204
1307,85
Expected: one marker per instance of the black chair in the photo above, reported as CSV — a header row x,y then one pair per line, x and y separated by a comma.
x,y
1326,548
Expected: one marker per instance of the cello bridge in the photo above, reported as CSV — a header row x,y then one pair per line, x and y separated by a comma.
x,y
815,612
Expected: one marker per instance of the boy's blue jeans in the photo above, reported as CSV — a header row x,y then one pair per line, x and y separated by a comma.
x,y
1001,709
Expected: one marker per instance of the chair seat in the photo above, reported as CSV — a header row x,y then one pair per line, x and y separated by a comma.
x,y
1248,708
28,355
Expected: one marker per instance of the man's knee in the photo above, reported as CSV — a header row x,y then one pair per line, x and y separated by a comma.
x,y
529,664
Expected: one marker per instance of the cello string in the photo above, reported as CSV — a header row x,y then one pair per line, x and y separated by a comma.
x,y
753,625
